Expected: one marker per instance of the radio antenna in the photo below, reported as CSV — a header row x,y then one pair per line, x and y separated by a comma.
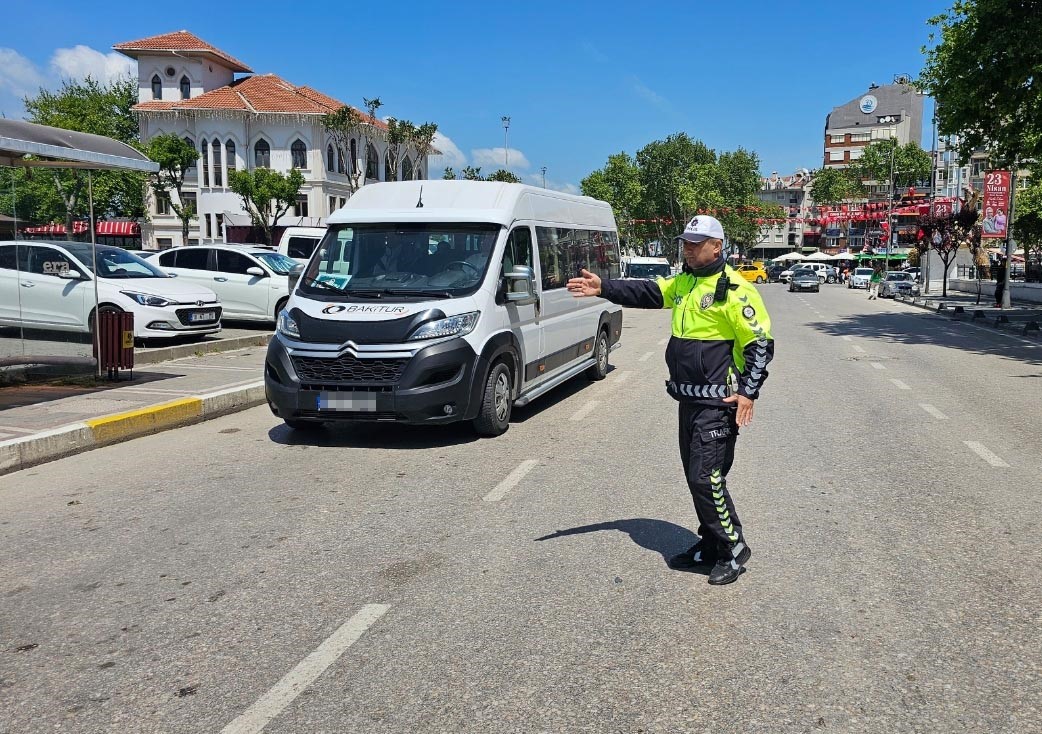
x,y
419,204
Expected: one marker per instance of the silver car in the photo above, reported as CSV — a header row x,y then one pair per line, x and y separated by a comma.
x,y
804,280
897,282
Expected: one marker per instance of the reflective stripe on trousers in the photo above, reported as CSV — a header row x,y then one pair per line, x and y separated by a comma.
x,y
707,440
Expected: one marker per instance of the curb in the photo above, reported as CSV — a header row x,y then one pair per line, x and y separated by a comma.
x,y
21,453
165,354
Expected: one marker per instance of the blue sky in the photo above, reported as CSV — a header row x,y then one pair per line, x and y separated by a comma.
x,y
579,80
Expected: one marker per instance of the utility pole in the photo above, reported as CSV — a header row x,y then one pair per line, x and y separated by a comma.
x,y
506,146
544,176
1009,237
890,209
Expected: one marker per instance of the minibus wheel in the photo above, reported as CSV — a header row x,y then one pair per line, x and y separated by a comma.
x,y
600,355
496,402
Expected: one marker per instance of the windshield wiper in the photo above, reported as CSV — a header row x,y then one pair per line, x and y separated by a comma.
x,y
420,293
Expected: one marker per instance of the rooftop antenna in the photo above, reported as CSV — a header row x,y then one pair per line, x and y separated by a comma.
x,y
419,204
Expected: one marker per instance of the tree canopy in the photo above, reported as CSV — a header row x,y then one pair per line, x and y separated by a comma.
x,y
267,195
911,164
175,156
830,186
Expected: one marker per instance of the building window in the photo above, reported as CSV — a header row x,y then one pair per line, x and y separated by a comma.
x,y
339,161
220,226
860,137
157,87
856,153
299,153
218,169
389,173
406,169
163,203
300,208
354,157
835,155
206,163
372,162
343,201
165,242
329,158
419,174
261,154
186,88
191,168
229,149
209,227
836,139
188,200
332,204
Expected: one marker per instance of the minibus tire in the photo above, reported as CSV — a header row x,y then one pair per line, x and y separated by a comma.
x,y
600,355
494,418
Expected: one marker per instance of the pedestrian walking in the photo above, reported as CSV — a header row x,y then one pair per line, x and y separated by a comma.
x,y
1000,281
717,357
873,283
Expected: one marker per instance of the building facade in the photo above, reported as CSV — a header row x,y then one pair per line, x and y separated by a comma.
x,y
792,194
881,113
189,88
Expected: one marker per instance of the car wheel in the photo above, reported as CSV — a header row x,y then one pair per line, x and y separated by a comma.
x,y
600,355
302,425
831,279
759,279
821,278
496,402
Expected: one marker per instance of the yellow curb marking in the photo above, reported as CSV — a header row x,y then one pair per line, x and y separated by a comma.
x,y
144,420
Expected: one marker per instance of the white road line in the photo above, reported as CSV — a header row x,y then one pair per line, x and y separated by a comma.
x,y
585,410
859,348
646,356
663,342
272,703
14,429
933,411
877,365
982,451
900,385
848,338
511,481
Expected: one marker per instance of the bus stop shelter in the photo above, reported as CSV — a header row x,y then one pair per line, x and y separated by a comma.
x,y
28,145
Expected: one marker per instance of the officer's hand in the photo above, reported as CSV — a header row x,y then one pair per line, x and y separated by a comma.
x,y
745,409
588,285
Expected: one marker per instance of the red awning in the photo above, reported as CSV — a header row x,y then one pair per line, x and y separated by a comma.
x,y
116,229
77,228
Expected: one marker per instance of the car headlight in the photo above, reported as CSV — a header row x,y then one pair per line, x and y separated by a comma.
x,y
287,325
147,299
452,326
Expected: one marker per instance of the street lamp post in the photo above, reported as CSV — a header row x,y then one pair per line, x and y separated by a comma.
x,y
543,169
506,147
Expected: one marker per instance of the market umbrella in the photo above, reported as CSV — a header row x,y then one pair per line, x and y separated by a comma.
x,y
789,256
818,256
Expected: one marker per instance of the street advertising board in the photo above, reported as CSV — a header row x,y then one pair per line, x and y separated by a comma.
x,y
995,205
942,208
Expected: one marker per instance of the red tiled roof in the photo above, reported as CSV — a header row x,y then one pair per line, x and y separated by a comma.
x,y
180,41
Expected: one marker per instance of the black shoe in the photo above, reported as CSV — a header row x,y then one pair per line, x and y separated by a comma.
x,y
728,569
700,554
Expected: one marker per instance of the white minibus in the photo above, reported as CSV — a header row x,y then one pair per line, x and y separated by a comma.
x,y
430,302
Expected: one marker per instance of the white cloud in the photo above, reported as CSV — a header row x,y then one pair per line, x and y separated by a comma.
x,y
646,93
80,62
18,75
536,179
451,156
493,158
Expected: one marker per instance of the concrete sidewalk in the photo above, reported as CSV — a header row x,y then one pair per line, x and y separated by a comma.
x,y
39,423
1021,319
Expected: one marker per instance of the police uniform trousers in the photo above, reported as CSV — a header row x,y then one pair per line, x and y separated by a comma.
x,y
707,438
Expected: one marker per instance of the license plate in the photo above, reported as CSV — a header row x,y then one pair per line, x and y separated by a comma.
x,y
201,316
356,401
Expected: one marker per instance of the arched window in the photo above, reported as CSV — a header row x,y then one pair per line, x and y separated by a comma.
x,y
218,169
229,149
419,174
186,88
299,153
206,163
406,169
191,169
330,161
372,162
261,154
389,173
339,160
354,157
157,87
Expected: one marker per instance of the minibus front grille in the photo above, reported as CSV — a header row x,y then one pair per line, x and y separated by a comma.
x,y
347,368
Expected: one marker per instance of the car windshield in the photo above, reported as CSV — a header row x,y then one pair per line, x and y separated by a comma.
x,y
279,263
652,270
862,271
899,276
805,274
114,262
401,259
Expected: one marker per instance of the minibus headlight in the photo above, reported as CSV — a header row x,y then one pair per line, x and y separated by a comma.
x,y
287,325
452,326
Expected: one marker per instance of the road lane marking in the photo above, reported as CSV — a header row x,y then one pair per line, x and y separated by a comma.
x,y
877,366
511,481
982,451
14,429
900,385
281,695
585,410
848,338
933,411
646,356
858,348
663,342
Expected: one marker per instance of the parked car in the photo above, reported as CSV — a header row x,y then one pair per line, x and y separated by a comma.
x,y
299,242
774,273
50,285
898,281
253,283
859,278
753,273
804,280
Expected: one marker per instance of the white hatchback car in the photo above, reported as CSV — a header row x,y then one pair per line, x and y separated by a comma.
x,y
49,285
252,281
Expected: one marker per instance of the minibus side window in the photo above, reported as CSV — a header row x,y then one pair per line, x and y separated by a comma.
x,y
518,250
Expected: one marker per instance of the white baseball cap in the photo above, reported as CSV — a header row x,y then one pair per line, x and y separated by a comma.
x,y
702,228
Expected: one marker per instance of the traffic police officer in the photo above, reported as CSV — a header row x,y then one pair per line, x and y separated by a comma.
x,y
717,359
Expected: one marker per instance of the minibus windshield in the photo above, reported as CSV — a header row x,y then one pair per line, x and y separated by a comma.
x,y
408,260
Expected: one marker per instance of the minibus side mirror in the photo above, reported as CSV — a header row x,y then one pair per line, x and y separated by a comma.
x,y
294,276
520,284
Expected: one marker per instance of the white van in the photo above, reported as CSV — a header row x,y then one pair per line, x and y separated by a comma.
x,y
437,301
299,242
645,268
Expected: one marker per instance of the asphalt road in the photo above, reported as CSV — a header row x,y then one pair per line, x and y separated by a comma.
x,y
235,575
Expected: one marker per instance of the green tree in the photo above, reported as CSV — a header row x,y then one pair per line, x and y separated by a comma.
x,y
470,173
909,163
983,73
368,134
830,186
676,175
399,135
343,126
449,174
267,195
503,175
91,107
174,156
423,143
619,184
743,213
1027,219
